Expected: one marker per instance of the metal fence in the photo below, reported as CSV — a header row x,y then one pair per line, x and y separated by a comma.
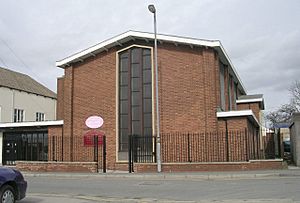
x,y
141,149
231,146
206,147
78,149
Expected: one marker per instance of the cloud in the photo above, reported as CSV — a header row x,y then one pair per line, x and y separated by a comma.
x,y
260,37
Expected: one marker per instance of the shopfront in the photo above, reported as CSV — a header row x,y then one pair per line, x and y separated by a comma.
x,y
24,141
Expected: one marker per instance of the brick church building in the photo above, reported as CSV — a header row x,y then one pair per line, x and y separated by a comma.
x,y
200,93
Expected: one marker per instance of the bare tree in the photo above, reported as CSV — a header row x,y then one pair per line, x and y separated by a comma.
x,y
295,93
285,112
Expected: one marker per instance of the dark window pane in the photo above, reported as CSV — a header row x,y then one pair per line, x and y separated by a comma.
x,y
148,120
136,113
124,92
135,55
124,64
147,91
135,70
135,98
124,54
136,127
123,139
147,62
147,76
148,132
147,105
146,52
124,121
124,78
135,84
124,107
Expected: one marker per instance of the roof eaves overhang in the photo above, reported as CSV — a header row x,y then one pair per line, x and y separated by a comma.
x,y
257,100
224,55
31,124
133,35
241,113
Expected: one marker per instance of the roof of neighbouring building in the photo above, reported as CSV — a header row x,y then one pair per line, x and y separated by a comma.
x,y
251,99
135,35
22,82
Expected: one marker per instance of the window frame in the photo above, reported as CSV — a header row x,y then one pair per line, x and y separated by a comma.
x,y
142,65
18,115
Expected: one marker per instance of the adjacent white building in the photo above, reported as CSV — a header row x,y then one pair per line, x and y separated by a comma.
x,y
22,100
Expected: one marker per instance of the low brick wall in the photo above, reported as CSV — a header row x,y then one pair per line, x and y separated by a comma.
x,y
35,166
215,166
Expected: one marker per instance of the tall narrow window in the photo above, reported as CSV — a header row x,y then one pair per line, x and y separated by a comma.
x,y
39,116
235,89
18,115
230,93
135,94
222,86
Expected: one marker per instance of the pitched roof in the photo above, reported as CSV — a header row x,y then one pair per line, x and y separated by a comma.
x,y
22,82
133,35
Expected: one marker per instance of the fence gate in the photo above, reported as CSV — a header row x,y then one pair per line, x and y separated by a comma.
x,y
141,149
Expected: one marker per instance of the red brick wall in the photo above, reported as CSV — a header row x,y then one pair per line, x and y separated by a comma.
x,y
189,95
230,166
34,166
90,89
60,99
234,124
187,81
253,106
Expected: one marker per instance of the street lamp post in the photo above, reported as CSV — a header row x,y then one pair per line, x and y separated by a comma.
x,y
153,10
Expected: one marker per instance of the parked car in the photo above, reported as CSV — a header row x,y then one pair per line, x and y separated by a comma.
x,y
12,185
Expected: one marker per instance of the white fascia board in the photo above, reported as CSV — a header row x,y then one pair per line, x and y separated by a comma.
x,y
227,114
146,35
249,100
31,124
232,67
96,47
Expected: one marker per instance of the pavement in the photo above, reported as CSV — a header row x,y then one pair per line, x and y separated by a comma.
x,y
111,178
290,172
42,198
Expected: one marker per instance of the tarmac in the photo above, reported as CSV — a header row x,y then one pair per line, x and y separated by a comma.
x,y
290,172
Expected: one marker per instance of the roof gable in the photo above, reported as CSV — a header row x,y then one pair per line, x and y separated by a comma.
x,y
133,35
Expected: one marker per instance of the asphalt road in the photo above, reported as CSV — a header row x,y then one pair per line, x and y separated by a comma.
x,y
94,189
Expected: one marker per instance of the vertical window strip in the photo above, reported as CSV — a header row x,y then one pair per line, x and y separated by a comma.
x,y
139,63
222,86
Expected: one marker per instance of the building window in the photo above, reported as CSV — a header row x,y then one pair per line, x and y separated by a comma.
x,y
235,97
230,80
135,94
19,115
39,116
222,85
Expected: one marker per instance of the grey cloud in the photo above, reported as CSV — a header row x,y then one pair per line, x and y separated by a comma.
x,y
260,37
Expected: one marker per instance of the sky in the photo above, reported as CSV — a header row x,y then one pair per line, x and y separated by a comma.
x,y
262,38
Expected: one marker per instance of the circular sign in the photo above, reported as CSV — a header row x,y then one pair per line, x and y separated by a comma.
x,y
94,122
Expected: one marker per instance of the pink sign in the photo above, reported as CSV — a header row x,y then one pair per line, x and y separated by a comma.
x,y
94,122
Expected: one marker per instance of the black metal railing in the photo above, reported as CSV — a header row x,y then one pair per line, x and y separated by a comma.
x,y
88,150
230,146
141,149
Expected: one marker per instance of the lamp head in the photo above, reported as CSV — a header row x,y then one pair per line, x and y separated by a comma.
x,y
151,8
